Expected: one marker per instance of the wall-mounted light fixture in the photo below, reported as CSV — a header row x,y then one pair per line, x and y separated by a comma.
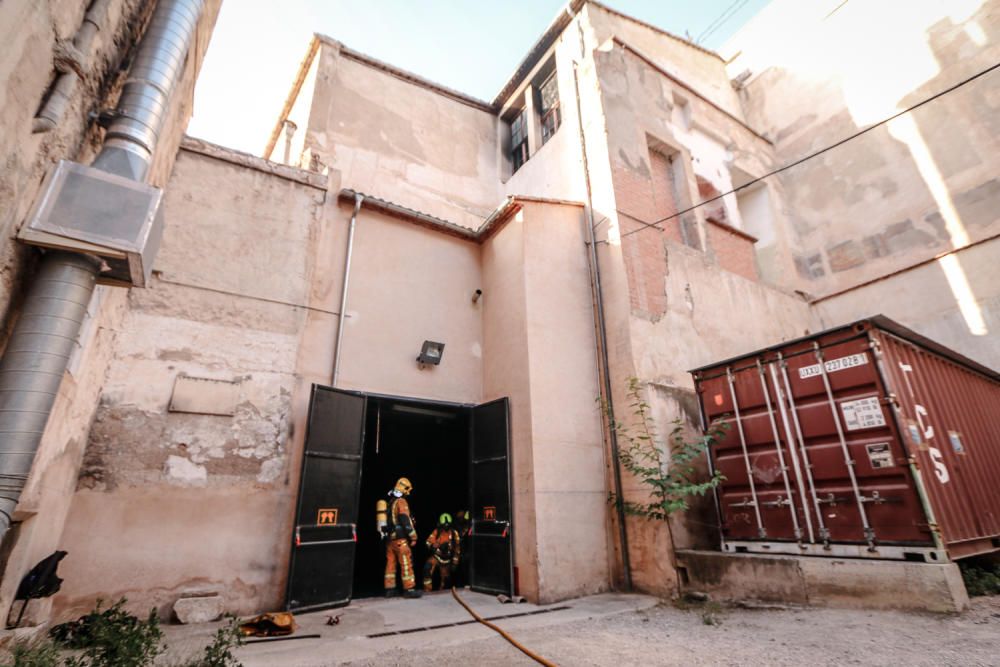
x,y
430,353
476,295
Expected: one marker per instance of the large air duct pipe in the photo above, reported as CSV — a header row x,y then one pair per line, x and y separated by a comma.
x,y
40,346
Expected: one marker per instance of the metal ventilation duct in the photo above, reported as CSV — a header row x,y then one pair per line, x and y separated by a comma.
x,y
38,351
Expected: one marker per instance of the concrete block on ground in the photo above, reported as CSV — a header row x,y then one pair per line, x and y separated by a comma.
x,y
829,582
198,608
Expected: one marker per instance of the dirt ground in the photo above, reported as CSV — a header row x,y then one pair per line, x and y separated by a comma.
x,y
706,634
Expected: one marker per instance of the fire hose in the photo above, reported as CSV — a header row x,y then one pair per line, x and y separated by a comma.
x,y
528,652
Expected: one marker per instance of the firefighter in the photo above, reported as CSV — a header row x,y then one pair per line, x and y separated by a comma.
x,y
445,546
400,534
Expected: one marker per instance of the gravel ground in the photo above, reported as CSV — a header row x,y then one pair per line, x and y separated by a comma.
x,y
710,635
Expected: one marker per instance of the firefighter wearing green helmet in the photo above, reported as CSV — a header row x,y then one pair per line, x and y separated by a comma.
x,y
445,548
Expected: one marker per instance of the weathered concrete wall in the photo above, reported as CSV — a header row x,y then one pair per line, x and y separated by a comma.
x,y
671,304
224,306
30,32
703,70
922,300
402,141
906,192
826,582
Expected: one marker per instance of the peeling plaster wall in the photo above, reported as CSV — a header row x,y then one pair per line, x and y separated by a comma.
x,y
702,70
29,31
196,501
402,142
905,192
708,312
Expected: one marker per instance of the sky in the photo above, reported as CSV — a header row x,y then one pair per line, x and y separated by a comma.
x,y
470,45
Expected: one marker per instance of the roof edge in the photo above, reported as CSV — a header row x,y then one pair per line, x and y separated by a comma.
x,y
293,95
405,75
491,224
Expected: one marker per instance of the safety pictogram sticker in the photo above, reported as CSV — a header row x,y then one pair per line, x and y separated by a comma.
x,y
327,517
489,513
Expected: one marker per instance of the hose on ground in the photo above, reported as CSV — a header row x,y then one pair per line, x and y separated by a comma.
x,y
528,652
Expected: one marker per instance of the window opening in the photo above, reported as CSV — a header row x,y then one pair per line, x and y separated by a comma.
x,y
548,106
519,140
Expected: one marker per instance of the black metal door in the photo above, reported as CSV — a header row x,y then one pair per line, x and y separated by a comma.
x,y
322,567
491,563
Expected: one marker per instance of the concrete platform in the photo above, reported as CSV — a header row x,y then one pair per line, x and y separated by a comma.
x,y
827,582
350,639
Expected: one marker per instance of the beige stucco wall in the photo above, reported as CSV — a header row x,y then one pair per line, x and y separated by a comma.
x,y
906,192
402,142
223,305
29,31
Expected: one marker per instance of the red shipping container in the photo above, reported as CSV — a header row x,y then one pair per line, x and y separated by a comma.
x,y
867,440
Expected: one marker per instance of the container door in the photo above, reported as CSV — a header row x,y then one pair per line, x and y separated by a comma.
x,y
491,541
322,564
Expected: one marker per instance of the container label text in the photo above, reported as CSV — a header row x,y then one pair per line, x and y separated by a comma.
x,y
834,365
862,413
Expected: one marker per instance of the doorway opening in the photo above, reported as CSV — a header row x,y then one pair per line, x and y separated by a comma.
x,y
356,446
427,443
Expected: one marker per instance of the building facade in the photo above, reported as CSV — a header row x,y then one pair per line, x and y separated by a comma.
x,y
552,238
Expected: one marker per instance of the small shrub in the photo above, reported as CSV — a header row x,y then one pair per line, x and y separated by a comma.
x,y
112,638
220,652
666,468
42,653
981,580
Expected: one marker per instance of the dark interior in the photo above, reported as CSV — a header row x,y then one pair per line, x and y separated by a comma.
x,y
425,442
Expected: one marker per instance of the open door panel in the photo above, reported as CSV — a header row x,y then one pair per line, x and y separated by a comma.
x,y
324,539
491,563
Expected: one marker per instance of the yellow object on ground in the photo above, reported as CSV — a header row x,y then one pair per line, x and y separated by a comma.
x,y
272,624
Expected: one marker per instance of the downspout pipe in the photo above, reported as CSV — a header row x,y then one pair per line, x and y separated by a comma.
x,y
358,199
40,346
600,324
52,112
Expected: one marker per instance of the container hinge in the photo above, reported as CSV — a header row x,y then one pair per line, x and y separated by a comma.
x,y
870,538
780,502
890,399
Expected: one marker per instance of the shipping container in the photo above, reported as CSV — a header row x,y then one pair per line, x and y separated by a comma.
x,y
867,440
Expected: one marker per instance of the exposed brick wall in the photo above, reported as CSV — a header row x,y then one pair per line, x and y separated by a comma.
x,y
646,196
733,250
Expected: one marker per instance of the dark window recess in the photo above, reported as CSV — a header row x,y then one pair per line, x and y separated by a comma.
x,y
548,106
519,140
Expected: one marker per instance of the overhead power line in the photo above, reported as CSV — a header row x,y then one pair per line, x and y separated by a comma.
x,y
721,20
655,223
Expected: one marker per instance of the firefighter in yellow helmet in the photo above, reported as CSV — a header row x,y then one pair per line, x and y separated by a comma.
x,y
397,527
445,547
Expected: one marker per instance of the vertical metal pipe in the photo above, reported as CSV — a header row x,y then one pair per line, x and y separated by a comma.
x,y
358,198
746,455
781,456
600,324
824,534
40,345
848,460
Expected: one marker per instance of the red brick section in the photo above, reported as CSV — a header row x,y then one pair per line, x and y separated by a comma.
x,y
733,250
642,198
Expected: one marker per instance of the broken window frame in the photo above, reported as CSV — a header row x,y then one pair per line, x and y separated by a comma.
x,y
518,139
550,116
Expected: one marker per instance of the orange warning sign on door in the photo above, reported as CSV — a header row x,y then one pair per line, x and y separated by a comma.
x,y
489,513
327,517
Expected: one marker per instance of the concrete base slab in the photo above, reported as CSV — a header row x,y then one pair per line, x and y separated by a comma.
x,y
830,582
350,639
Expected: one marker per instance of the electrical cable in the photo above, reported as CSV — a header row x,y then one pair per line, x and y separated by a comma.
x,y
655,223
528,652
727,14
